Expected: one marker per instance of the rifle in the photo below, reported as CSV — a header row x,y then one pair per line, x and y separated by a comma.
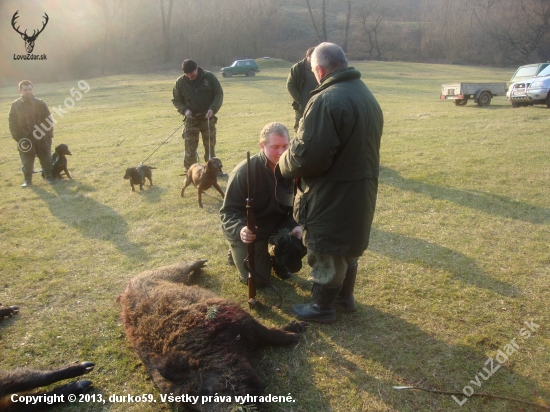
x,y
249,262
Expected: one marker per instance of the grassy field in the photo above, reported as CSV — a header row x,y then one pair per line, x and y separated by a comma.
x,y
459,256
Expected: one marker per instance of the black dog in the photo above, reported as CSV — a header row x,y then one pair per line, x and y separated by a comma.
x,y
59,161
6,311
137,176
14,385
204,177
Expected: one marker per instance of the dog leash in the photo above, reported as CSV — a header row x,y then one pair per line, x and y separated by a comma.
x,y
209,147
162,144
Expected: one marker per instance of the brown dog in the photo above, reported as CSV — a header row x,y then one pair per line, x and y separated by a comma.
x,y
138,174
204,177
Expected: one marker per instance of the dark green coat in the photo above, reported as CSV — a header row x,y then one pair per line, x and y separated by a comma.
x,y
336,156
24,115
296,82
199,95
269,213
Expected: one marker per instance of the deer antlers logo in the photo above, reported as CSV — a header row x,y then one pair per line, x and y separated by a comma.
x,y
29,40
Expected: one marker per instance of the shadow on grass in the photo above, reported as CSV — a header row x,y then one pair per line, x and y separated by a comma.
x,y
211,198
484,202
9,321
94,220
416,358
418,251
152,194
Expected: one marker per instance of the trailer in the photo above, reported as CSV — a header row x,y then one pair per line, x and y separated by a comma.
x,y
482,93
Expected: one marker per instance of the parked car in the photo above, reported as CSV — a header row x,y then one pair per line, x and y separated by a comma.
x,y
534,90
247,66
528,71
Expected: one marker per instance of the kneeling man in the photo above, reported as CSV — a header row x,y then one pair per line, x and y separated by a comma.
x,y
272,208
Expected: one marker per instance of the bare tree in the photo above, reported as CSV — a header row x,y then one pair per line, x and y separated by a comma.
x,y
522,27
110,10
346,33
371,15
323,35
166,19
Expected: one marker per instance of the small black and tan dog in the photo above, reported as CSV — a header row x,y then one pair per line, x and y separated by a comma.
x,y
137,176
204,177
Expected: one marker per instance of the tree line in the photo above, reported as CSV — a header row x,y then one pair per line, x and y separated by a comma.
x,y
102,37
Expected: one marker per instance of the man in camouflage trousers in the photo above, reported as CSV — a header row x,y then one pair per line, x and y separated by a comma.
x,y
198,96
32,128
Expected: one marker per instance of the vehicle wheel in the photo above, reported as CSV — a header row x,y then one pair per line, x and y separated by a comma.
x,y
461,102
484,99
515,105
548,100
228,73
251,73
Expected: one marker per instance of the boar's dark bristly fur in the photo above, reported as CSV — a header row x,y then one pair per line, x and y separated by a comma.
x,y
193,342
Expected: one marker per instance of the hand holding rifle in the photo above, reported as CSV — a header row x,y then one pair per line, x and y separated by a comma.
x,y
248,236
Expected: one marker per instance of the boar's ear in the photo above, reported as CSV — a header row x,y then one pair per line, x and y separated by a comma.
x,y
174,366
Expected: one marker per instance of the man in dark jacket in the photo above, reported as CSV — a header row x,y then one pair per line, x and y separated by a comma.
x,y
31,126
336,156
300,83
198,96
272,209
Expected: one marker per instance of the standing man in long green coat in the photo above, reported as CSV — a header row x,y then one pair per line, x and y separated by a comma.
x,y
336,157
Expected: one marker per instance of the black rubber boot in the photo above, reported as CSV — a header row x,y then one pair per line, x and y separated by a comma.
x,y
280,271
321,307
345,301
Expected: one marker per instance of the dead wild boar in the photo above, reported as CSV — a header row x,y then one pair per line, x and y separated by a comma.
x,y
194,343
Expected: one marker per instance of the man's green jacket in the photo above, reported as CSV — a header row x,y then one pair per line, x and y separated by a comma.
x,y
27,115
269,213
336,156
199,95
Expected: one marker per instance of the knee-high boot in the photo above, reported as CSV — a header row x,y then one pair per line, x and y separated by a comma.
x,y
321,307
345,300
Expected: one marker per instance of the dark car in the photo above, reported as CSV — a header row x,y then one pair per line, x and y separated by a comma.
x,y
246,66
